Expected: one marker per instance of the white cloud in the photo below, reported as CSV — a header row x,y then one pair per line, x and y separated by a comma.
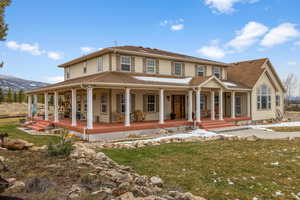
x,y
54,79
292,63
225,6
280,34
297,43
177,27
54,55
87,49
248,35
212,51
34,49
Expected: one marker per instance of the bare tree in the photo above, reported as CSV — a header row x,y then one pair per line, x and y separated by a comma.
x,y
290,84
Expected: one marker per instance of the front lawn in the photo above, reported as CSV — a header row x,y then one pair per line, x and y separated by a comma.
x,y
265,169
10,126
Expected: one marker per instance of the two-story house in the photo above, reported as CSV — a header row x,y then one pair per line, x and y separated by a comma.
x,y
130,88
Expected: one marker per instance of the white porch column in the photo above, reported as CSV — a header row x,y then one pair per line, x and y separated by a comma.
x,y
127,107
221,104
56,106
29,114
212,105
46,107
198,110
73,107
232,104
249,104
161,106
35,100
89,108
190,106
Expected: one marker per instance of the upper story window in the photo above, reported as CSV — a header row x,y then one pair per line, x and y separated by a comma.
x,y
151,65
125,63
85,67
200,70
264,97
67,71
178,68
100,64
216,72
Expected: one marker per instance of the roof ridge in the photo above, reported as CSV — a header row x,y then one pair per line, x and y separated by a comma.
x,y
250,60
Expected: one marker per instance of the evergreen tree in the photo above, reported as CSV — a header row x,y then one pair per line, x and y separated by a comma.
x,y
21,96
9,96
15,96
1,95
3,25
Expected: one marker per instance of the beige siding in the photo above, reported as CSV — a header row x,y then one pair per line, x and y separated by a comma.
x,y
271,113
190,69
139,64
165,67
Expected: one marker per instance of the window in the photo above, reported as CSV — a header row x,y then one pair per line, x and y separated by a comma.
x,y
84,67
151,102
122,102
151,65
126,63
202,102
100,64
178,69
264,97
216,100
103,103
277,100
67,71
217,72
200,70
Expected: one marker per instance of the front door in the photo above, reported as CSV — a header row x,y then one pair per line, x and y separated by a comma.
x,y
178,106
238,106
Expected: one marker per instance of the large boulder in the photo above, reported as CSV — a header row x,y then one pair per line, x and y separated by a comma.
x,y
16,144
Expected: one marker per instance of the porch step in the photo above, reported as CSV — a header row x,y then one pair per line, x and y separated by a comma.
x,y
39,126
36,128
215,124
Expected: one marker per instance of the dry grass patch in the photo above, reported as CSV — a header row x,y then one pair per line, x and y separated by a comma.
x,y
264,169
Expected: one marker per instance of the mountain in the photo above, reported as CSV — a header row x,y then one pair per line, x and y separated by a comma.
x,y
16,84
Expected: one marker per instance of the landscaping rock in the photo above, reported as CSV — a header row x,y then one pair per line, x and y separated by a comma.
x,y
3,185
252,138
38,185
156,181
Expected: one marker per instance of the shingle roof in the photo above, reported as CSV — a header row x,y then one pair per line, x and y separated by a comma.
x,y
247,72
143,51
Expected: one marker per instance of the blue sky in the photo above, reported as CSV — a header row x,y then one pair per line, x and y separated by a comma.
x,y
44,34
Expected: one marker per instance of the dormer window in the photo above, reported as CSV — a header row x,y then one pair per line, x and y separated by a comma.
x,y
217,72
85,67
200,70
178,69
151,66
125,63
100,64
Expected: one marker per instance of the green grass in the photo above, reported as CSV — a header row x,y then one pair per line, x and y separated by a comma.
x,y
10,126
207,168
286,129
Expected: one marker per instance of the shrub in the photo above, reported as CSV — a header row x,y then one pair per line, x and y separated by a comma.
x,y
63,148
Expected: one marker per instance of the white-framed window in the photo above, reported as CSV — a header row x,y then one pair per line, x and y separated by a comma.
x,y
150,65
217,72
200,70
100,64
178,68
151,103
216,100
103,103
277,100
202,101
84,67
264,100
122,102
67,71
125,63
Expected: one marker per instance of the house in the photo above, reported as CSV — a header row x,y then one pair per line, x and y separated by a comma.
x,y
129,88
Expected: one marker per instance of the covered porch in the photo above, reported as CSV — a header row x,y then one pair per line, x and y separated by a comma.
x,y
100,108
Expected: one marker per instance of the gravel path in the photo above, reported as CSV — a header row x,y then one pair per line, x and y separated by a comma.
x,y
263,134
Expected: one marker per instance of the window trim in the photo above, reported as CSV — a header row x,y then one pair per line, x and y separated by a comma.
x,y
100,64
130,63
219,71
151,103
84,67
203,70
278,100
154,66
67,72
181,68
264,93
